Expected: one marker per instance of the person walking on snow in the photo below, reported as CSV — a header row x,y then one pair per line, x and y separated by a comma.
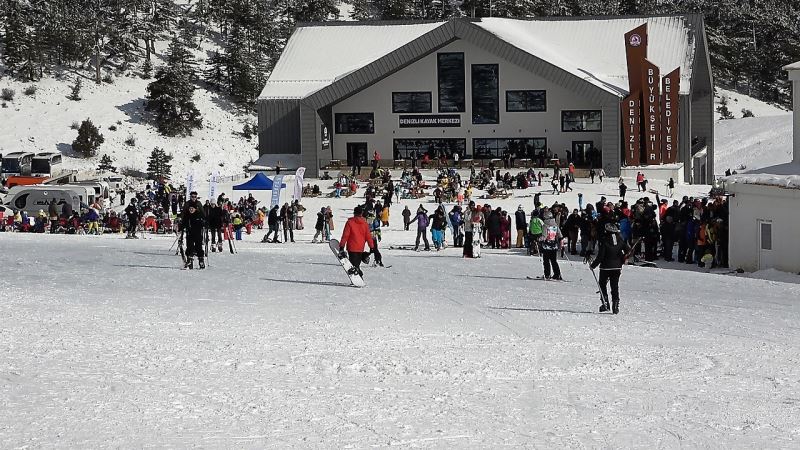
x,y
355,239
521,223
192,226
422,228
550,243
610,258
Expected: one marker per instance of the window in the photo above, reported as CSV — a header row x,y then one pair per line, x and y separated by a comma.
x,y
355,123
496,148
485,94
581,121
434,148
526,101
766,236
450,68
411,102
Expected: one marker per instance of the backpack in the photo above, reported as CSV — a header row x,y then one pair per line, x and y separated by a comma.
x,y
550,240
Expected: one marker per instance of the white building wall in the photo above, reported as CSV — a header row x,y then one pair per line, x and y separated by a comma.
x,y
422,76
752,203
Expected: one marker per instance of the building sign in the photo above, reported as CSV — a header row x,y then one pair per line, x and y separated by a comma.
x,y
441,120
650,112
669,117
632,128
651,99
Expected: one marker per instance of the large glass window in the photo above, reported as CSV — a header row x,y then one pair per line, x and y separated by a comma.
x,y
355,123
452,84
526,101
497,148
434,148
485,94
581,121
411,102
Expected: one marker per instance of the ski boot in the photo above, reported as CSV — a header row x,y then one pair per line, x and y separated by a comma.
x,y
189,263
604,307
615,307
202,263
219,247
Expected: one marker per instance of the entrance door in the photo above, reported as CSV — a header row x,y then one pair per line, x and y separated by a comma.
x,y
765,260
581,153
356,151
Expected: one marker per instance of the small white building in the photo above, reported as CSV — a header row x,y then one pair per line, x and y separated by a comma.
x,y
765,208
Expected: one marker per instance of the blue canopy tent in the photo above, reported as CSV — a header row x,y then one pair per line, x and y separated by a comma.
x,y
259,182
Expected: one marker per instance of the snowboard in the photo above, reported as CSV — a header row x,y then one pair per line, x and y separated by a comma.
x,y
476,240
346,265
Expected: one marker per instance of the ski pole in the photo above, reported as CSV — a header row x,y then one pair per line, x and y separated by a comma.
x,y
174,242
603,298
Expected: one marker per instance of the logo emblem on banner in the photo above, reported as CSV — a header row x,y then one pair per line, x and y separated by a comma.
x,y
636,40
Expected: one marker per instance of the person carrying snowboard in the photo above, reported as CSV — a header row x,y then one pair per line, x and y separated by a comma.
x,y
355,237
610,258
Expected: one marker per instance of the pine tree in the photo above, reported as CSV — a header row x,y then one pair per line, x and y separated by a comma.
x,y
181,59
106,164
14,32
158,165
147,69
76,90
88,140
170,98
215,73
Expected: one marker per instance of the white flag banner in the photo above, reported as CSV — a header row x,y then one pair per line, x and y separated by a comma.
x,y
298,183
189,183
212,187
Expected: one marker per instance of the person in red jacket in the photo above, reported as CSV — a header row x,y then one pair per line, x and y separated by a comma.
x,y
354,237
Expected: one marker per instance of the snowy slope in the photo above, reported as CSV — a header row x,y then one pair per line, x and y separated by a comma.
x,y
752,143
42,123
737,102
271,348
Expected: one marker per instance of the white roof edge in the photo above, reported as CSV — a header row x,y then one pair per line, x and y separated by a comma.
x,y
793,66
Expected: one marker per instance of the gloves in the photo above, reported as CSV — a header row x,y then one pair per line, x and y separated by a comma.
x,y
342,253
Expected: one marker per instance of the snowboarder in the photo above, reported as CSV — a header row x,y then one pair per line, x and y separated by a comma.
x,y
355,237
610,258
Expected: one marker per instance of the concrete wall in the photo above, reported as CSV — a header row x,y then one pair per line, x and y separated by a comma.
x,y
753,202
422,76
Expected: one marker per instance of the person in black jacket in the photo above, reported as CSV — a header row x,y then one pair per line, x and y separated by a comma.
x,y
610,258
272,223
132,213
215,226
192,226
319,226
521,222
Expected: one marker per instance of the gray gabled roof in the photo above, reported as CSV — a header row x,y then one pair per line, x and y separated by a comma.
x,y
585,55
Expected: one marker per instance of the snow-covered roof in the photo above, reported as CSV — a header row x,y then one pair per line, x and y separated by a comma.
x,y
592,49
316,56
784,175
795,66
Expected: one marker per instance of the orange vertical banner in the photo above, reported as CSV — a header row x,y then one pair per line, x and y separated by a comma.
x,y
632,128
669,116
651,102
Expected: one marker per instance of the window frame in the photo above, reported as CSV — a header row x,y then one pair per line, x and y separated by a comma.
x,y
427,111
336,122
496,92
462,107
583,111
526,92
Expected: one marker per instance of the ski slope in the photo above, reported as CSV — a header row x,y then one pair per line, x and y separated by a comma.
x,y
106,343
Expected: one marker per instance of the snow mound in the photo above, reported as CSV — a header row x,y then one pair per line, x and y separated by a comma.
x,y
738,102
752,143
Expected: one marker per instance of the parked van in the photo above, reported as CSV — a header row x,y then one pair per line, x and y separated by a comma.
x,y
98,188
16,163
33,198
46,164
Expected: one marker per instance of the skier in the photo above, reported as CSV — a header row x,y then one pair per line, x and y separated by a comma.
x,y
192,226
354,237
550,243
215,227
272,223
132,213
610,258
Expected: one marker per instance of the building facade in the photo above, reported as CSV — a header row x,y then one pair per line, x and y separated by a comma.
x,y
537,89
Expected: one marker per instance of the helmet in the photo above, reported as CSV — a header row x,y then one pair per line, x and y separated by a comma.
x,y
612,228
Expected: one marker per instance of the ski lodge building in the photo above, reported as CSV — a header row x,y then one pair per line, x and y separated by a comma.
x,y
582,90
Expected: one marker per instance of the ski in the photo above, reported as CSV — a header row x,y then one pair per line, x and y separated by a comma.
x,y
230,241
547,279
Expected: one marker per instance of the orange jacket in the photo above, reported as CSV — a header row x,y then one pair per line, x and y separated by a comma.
x,y
355,235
